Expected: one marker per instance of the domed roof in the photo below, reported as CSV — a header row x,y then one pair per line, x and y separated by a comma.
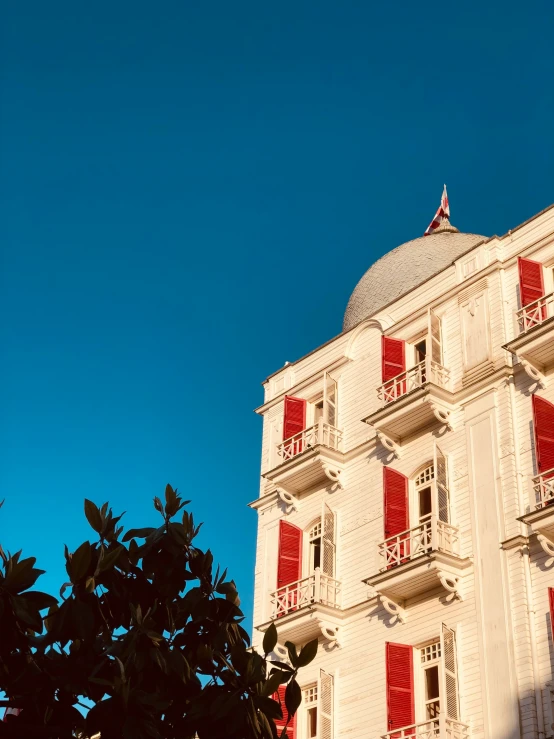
x,y
404,268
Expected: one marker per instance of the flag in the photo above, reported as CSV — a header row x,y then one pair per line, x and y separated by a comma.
x,y
442,213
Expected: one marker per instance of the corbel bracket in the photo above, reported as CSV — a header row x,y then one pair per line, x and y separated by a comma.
x,y
334,474
442,415
330,632
533,372
451,583
291,503
392,607
389,444
546,543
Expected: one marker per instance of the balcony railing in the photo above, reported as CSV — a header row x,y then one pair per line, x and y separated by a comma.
x,y
321,433
535,313
429,535
405,382
543,487
317,588
437,728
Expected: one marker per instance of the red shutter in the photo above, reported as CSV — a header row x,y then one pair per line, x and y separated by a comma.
x,y
551,604
289,567
543,421
397,518
395,488
531,284
295,416
393,357
400,686
294,423
279,696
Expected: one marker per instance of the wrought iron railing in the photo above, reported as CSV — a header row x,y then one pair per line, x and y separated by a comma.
x,y
322,433
543,487
535,313
317,588
405,382
437,728
429,535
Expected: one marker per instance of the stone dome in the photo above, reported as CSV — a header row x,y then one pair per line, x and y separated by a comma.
x,y
404,268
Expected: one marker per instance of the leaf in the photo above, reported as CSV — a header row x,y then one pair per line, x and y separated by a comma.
x,y
158,505
270,639
138,533
292,653
273,682
80,561
110,559
293,697
93,515
307,653
40,600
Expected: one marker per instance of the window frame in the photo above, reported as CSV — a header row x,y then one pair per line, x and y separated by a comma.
x,y
303,723
420,668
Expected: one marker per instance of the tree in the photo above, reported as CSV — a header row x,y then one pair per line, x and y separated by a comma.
x,y
145,641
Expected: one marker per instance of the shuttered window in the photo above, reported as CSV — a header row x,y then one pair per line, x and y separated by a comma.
x,y
435,337
328,525
393,355
441,481
531,285
325,701
280,724
400,686
289,566
294,422
543,421
450,673
395,491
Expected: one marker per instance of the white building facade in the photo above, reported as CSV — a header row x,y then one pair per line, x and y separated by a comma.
x,y
404,514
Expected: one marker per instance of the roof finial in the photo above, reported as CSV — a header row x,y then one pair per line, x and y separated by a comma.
x,y
441,221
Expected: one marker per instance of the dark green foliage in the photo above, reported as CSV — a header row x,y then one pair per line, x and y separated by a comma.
x,y
146,634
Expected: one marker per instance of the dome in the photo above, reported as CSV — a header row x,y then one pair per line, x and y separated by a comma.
x,y
404,268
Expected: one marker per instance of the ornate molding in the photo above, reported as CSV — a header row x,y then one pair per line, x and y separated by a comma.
x,y
392,607
330,632
451,583
547,544
389,444
291,503
442,415
334,474
533,373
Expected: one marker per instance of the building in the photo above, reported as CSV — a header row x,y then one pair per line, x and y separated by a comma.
x,y
404,517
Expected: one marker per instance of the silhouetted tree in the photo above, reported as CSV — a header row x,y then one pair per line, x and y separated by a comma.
x,y
146,640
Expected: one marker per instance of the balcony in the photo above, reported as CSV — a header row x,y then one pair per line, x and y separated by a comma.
x,y
534,344
307,608
412,401
309,458
418,560
437,728
541,517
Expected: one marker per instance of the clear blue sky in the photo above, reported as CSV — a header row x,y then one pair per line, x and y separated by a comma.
x,y
190,192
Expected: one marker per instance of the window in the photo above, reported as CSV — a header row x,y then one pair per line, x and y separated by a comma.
x,y
316,711
314,544
309,699
430,656
420,351
424,491
430,491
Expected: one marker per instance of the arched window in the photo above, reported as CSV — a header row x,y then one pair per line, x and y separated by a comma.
x,y
424,489
314,546
431,490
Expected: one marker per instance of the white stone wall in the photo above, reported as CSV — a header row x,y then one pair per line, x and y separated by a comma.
x,y
491,460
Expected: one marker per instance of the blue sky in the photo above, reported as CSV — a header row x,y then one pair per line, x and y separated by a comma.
x,y
189,194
